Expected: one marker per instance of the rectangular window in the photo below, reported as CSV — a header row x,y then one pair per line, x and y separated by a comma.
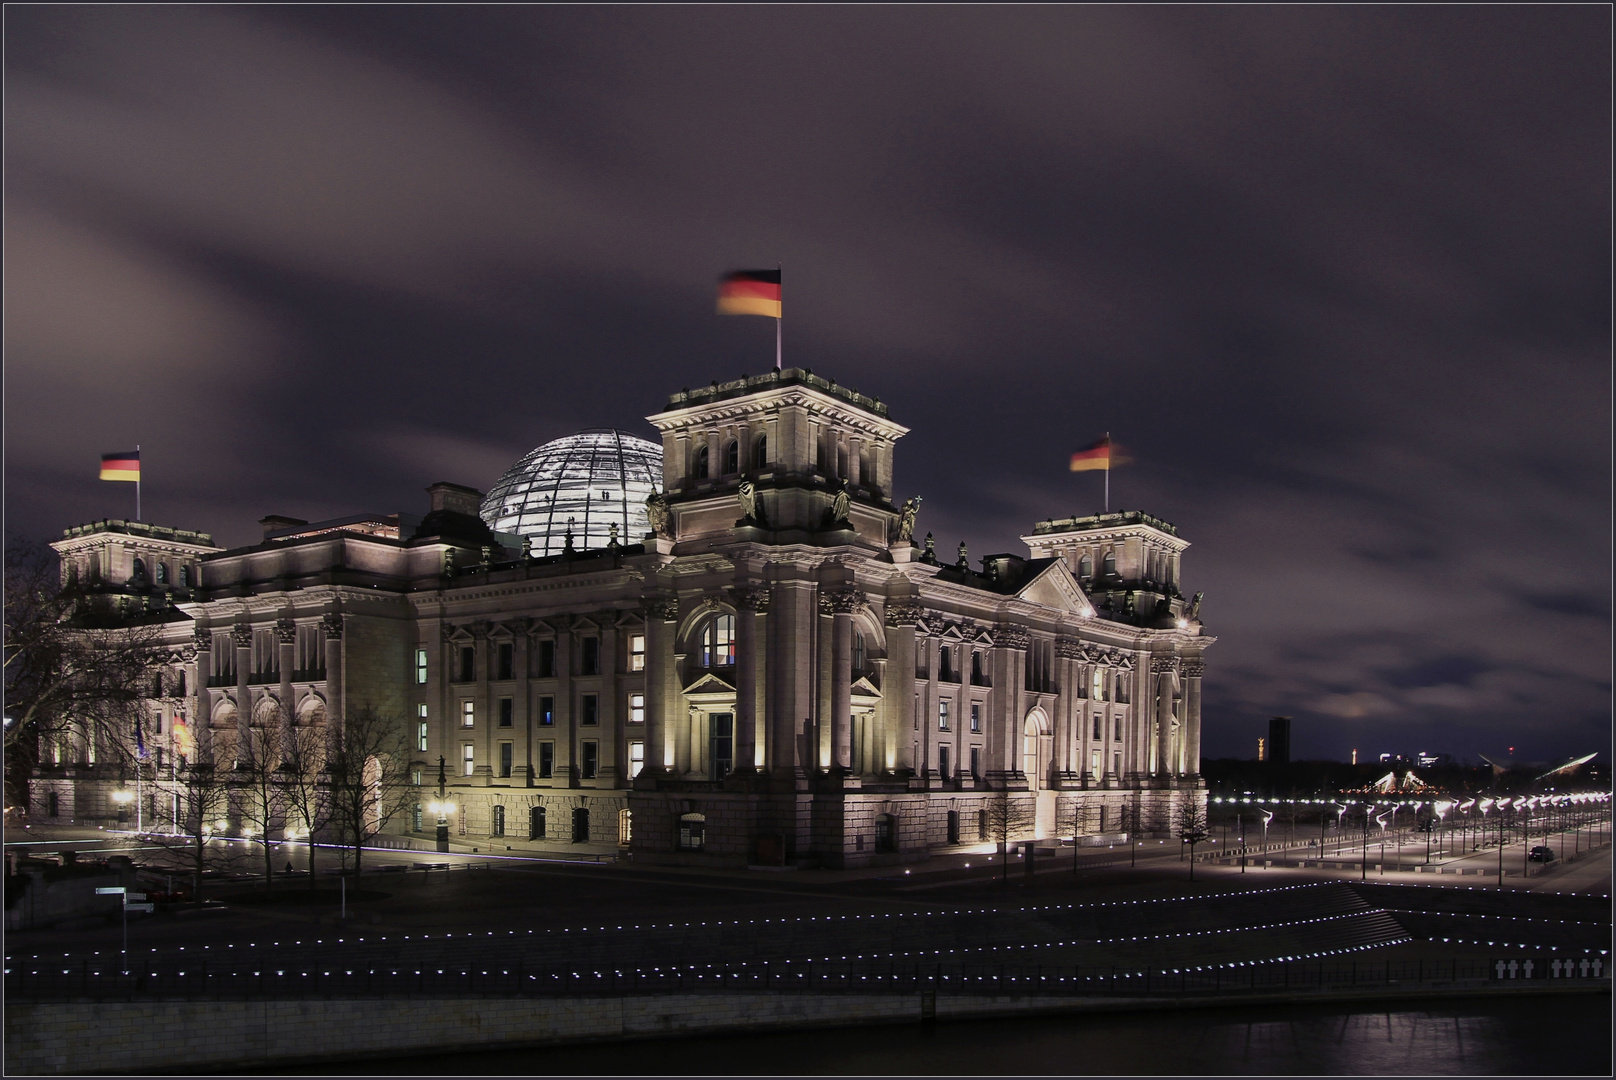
x,y
636,758
468,714
976,763
942,716
546,660
546,760
420,710
1116,731
506,754
1100,684
546,711
636,652
415,818
944,664
468,756
468,663
976,716
507,711
420,736
420,667
636,708
1116,762
1097,733
942,761
415,777
589,710
589,656
591,759
507,659
1094,764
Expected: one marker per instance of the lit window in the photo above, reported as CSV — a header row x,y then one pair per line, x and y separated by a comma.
x,y
718,642
692,831
1097,685
976,716
420,736
636,758
468,755
636,652
185,576
468,713
858,653
415,778
1108,565
942,715
420,667
1085,566
546,711
162,573
636,708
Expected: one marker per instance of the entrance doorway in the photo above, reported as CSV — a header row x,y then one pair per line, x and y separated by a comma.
x,y
580,826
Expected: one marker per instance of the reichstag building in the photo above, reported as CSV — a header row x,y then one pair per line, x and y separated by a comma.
x,y
725,646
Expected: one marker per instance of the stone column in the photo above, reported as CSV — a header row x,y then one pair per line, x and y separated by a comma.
x,y
842,604
566,774
750,604
286,641
902,616
242,637
522,769
1010,679
201,719
661,695
1069,736
790,630
336,697
1192,670
1165,669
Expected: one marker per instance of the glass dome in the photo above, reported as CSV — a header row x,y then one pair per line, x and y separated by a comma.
x,y
587,482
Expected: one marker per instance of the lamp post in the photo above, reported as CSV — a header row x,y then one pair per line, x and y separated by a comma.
x,y
122,797
442,808
1267,816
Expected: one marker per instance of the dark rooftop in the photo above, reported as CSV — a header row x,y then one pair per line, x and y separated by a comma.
x,y
1104,521
751,384
139,528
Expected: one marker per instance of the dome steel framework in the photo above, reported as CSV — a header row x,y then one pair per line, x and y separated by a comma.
x,y
586,483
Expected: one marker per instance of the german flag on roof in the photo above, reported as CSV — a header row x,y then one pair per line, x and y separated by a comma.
x,y
125,466
750,292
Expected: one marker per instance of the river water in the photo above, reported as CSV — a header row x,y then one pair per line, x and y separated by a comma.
x,y
1553,1035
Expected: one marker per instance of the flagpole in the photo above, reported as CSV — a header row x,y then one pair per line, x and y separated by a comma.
x,y
777,321
137,481
1107,472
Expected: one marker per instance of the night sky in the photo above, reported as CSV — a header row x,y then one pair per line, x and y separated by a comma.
x,y
1338,278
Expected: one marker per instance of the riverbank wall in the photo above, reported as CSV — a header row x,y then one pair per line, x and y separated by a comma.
x,y
100,1036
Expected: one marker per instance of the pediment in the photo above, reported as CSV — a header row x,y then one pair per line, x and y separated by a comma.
x,y
629,620
584,624
1055,587
708,683
952,632
864,688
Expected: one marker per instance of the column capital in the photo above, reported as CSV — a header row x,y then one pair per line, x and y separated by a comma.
x,y
1193,669
1068,648
242,636
1160,665
286,631
202,639
661,607
331,622
751,599
843,601
1006,636
903,613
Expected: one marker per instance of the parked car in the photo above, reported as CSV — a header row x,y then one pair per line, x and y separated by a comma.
x,y
1541,854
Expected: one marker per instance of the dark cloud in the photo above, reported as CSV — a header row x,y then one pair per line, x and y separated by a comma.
x,y
1339,278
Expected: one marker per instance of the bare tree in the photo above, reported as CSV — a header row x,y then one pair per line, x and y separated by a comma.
x,y
202,799
1192,828
1008,819
260,782
73,668
365,761
303,786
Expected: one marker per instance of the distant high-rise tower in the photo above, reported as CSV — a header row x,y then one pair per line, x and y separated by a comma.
x,y
1279,740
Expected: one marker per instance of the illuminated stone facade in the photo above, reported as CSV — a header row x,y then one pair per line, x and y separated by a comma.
x,y
778,673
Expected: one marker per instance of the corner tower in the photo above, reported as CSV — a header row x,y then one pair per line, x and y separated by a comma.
x,y
786,458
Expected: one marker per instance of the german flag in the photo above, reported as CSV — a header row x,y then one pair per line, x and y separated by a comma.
x,y
750,292
1100,454
124,466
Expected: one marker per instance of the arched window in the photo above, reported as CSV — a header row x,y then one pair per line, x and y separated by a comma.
x,y
981,824
858,653
580,825
1108,565
161,570
1085,566
732,458
701,463
692,831
185,576
499,821
953,827
139,569
535,823
718,642
760,452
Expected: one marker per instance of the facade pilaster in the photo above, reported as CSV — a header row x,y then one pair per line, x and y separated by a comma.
x,y
201,720
842,602
1165,668
1192,670
241,636
286,644
898,689
661,694
335,688
751,604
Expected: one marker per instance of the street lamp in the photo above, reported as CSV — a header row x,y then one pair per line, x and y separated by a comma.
x,y
442,807
1267,816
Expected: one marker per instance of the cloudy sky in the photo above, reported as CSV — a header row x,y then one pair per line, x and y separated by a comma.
x,y
1338,277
